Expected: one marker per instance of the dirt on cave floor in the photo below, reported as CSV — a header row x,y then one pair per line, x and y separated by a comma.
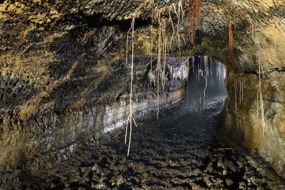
x,y
178,151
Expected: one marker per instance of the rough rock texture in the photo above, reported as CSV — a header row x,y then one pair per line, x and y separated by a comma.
x,y
186,156
256,106
56,55
62,85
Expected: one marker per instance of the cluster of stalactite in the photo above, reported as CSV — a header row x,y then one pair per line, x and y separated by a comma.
x,y
161,43
160,49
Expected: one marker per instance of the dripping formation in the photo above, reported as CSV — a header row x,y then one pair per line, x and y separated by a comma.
x,y
130,119
160,44
163,45
195,18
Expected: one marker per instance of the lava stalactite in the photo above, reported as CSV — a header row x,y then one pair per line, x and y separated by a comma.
x,y
230,36
195,18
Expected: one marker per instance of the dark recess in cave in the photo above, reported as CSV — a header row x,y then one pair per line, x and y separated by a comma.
x,y
98,21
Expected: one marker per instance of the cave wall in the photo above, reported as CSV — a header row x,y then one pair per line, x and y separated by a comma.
x,y
56,54
255,107
64,79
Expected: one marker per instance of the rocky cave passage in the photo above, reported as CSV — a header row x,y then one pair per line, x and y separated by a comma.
x,y
178,151
64,83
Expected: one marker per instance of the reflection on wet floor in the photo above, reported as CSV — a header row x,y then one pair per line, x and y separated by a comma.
x,y
179,151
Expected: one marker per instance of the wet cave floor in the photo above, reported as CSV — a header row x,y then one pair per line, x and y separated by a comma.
x,y
178,151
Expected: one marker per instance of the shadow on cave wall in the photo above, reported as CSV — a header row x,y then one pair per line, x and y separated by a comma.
x,y
80,51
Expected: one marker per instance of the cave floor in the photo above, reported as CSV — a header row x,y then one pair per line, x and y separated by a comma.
x,y
178,151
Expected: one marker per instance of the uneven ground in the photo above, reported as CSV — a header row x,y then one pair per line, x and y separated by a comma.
x,y
179,151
